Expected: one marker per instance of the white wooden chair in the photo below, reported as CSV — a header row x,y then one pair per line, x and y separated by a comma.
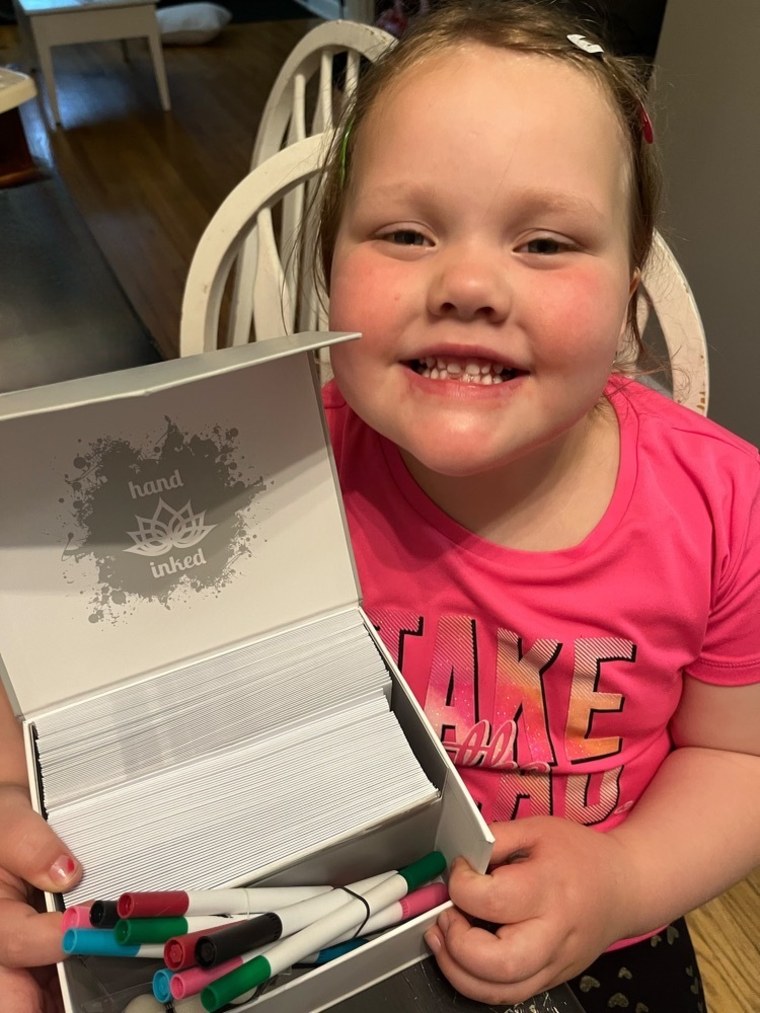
x,y
303,101
667,300
284,119
246,212
668,304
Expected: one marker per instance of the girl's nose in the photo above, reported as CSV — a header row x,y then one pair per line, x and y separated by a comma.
x,y
470,285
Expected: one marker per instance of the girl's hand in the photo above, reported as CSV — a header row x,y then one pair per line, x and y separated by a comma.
x,y
553,898
31,855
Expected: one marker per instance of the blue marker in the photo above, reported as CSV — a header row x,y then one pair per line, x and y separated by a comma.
x,y
162,985
102,943
333,952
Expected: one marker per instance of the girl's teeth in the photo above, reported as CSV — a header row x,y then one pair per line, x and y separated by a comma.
x,y
471,371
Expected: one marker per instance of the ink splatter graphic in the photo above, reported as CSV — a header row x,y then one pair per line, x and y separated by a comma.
x,y
161,523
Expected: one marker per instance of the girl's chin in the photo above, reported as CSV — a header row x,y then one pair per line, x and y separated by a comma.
x,y
450,460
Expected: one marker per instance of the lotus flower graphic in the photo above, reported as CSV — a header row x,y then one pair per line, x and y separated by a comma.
x,y
168,529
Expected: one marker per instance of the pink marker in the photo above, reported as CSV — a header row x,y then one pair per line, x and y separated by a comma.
x,y
77,917
416,903
193,979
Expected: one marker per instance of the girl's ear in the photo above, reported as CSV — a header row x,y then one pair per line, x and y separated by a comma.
x,y
635,279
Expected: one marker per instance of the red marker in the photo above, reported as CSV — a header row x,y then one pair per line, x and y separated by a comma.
x,y
169,903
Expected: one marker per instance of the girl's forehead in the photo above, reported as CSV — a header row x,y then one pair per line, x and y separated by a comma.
x,y
504,72
470,91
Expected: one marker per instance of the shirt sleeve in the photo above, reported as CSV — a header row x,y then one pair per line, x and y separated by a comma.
x,y
731,648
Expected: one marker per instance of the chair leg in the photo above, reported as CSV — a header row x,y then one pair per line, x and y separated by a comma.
x,y
159,69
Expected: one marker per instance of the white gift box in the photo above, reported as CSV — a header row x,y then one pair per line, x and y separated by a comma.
x,y
152,522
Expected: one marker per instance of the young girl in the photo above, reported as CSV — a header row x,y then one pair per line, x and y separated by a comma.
x,y
565,564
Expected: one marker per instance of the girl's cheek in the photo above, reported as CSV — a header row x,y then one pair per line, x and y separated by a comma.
x,y
581,312
359,291
344,286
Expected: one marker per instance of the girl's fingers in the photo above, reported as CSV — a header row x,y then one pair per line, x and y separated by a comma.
x,y
29,849
29,853
498,955
485,966
27,938
504,896
25,992
510,891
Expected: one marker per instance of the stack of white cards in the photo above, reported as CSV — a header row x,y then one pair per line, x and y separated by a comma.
x,y
203,774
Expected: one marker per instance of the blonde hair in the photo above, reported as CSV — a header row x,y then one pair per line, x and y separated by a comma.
x,y
540,27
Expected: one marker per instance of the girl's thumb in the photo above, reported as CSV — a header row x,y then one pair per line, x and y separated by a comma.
x,y
29,849
513,841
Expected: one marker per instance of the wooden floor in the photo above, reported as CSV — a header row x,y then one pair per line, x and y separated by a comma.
x,y
147,183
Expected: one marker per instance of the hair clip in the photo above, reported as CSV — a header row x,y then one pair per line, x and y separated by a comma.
x,y
582,43
344,152
646,124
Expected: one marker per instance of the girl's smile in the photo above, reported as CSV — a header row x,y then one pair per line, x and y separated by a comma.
x,y
483,254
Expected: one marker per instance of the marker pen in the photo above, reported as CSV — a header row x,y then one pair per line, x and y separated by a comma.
x,y
179,951
159,904
416,903
267,928
103,914
130,931
77,917
101,943
422,900
149,1004
321,933
193,979
162,985
333,952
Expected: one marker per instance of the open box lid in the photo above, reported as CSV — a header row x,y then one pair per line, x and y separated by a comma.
x,y
160,513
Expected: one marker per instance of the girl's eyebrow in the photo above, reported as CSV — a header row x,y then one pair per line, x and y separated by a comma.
x,y
542,200
409,189
527,200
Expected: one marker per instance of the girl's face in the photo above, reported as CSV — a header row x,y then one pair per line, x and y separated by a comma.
x,y
483,254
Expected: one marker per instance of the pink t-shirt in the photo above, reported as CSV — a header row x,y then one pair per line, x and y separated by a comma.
x,y
551,677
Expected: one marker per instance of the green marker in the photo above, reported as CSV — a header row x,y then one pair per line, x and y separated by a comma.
x,y
136,931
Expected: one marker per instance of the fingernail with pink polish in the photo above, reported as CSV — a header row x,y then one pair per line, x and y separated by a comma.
x,y
62,869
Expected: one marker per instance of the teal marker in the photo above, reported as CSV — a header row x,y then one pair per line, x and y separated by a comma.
x,y
333,952
321,933
162,989
102,943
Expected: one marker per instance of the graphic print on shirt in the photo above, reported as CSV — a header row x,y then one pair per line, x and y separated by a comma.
x,y
519,719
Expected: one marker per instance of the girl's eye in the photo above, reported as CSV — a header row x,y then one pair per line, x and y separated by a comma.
x,y
546,245
405,237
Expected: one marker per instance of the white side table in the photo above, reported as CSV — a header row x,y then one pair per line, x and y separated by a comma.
x,y
67,22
